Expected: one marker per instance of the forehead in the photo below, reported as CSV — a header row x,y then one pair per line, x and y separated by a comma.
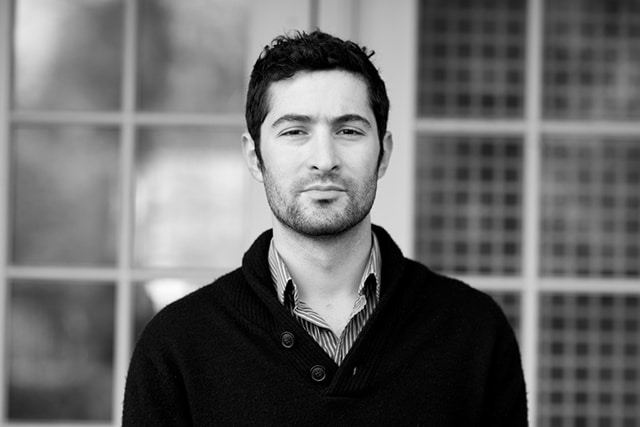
x,y
332,92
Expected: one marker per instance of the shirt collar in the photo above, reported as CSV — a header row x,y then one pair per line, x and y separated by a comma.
x,y
284,283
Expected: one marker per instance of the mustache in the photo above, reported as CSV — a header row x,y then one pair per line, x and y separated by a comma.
x,y
329,178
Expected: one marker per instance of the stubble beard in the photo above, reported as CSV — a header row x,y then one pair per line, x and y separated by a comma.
x,y
320,218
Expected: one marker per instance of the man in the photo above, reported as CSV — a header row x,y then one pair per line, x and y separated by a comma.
x,y
325,323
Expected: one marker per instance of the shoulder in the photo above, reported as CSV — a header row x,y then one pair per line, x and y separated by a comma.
x,y
191,312
430,291
452,295
202,298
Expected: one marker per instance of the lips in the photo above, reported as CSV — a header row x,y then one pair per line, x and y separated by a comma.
x,y
324,187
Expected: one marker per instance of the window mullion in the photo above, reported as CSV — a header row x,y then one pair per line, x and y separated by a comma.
x,y
6,14
124,302
531,212
393,209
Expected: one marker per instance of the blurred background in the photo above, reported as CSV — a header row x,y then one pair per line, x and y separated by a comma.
x,y
516,168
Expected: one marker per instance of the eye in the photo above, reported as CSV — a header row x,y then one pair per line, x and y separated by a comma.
x,y
292,132
350,132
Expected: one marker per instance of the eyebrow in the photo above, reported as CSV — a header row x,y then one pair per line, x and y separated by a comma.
x,y
351,118
287,118
301,118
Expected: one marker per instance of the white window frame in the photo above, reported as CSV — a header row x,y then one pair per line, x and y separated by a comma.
x,y
5,47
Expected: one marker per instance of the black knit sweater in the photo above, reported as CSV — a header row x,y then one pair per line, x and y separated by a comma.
x,y
434,353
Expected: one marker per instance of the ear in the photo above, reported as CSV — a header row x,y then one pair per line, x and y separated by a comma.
x,y
387,145
251,156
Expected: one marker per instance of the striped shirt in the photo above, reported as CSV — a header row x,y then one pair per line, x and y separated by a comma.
x,y
312,322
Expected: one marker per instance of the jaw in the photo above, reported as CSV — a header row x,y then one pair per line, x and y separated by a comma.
x,y
319,241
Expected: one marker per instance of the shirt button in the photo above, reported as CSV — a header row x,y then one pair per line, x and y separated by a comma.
x,y
318,373
287,339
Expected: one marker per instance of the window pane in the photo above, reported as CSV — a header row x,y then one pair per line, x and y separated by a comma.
x,y
192,55
469,203
65,198
189,197
471,60
60,351
152,296
590,206
68,54
592,59
588,364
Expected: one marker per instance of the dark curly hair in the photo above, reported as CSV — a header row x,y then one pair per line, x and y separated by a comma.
x,y
315,51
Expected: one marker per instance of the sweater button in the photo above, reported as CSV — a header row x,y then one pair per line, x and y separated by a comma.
x,y
318,373
287,339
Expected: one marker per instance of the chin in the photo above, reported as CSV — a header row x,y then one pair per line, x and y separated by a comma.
x,y
324,229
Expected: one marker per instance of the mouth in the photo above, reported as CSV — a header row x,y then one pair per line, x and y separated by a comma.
x,y
324,187
324,192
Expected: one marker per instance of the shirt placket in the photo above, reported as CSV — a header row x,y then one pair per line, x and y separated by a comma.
x,y
315,325
368,295
355,323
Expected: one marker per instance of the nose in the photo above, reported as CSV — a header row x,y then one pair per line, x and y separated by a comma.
x,y
323,153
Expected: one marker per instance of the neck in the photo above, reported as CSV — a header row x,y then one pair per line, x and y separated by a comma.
x,y
325,266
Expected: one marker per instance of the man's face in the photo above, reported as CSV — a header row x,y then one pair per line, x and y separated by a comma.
x,y
319,146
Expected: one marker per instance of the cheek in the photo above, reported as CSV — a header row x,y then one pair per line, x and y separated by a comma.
x,y
366,162
277,177
283,166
